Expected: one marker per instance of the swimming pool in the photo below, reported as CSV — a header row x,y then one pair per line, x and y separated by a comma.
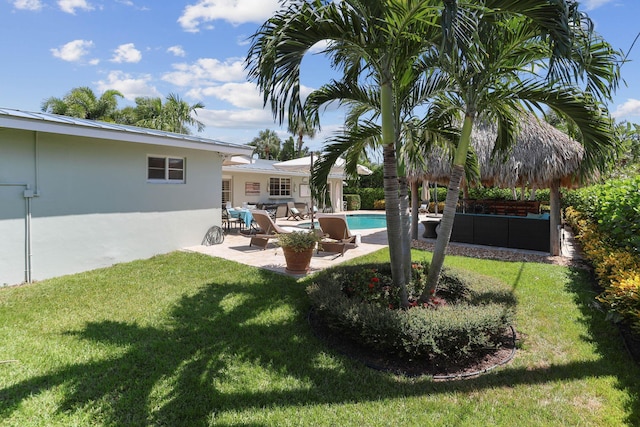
x,y
359,222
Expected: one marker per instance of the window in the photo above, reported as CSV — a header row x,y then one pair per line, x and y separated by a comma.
x,y
165,169
226,191
280,187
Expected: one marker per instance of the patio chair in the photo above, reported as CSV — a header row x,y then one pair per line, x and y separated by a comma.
x,y
306,212
337,236
294,213
228,220
268,229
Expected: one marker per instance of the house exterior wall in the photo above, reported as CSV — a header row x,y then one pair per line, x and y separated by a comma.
x,y
92,204
239,179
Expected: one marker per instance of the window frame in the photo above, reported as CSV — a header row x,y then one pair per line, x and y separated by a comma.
x,y
167,169
280,187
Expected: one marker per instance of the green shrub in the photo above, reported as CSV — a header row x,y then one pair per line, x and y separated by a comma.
x,y
476,312
379,204
353,202
617,270
615,208
368,196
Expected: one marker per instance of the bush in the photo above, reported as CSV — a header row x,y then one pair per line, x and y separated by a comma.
x,y
379,204
615,208
617,270
368,196
353,202
359,302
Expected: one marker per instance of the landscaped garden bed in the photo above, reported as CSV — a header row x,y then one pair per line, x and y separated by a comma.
x,y
462,329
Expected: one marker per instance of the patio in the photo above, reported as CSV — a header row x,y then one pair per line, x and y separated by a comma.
x,y
236,248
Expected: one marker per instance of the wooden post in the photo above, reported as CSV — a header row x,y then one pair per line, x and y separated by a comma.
x,y
554,218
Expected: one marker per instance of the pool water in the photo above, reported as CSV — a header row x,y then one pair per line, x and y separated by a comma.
x,y
359,222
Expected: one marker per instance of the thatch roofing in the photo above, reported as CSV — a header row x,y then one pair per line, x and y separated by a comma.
x,y
541,154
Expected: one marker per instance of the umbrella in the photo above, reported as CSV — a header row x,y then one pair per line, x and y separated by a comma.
x,y
236,160
303,164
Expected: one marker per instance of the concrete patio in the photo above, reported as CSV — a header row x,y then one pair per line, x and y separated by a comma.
x,y
236,247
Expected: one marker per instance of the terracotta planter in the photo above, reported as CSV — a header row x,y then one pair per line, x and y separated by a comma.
x,y
297,262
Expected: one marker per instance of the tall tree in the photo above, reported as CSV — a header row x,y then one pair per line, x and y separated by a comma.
x,y
83,103
175,115
496,52
301,128
267,144
376,41
288,150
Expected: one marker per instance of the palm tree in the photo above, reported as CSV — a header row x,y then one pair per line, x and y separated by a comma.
x,y
374,42
301,128
495,56
83,103
267,144
179,115
175,115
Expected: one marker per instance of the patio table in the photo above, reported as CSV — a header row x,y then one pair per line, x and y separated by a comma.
x,y
243,214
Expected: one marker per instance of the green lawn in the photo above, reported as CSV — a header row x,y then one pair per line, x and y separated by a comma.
x,y
185,339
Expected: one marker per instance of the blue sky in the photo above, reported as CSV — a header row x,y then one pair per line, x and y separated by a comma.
x,y
196,49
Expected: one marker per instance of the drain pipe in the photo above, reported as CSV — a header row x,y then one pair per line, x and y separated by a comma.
x,y
28,194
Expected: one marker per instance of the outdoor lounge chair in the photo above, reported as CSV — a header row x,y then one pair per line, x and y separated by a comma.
x,y
294,213
268,229
337,236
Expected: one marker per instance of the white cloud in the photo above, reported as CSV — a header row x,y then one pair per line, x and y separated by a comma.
x,y
237,119
126,53
630,108
594,4
129,87
319,47
73,51
177,50
235,11
241,95
205,71
27,4
70,6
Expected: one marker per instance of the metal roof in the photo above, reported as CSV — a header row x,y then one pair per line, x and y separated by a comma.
x,y
53,123
263,166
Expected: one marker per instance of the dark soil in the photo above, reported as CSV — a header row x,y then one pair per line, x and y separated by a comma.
x,y
481,363
631,341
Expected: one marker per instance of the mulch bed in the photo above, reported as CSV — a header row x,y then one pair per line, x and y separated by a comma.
x,y
417,367
484,362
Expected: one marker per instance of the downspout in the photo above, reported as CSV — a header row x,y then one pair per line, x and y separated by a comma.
x,y
28,194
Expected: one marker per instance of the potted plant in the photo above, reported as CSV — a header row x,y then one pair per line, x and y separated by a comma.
x,y
298,249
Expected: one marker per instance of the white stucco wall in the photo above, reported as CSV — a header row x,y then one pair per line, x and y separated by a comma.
x,y
240,178
94,206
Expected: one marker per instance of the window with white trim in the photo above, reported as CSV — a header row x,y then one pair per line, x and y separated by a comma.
x,y
226,191
166,169
280,187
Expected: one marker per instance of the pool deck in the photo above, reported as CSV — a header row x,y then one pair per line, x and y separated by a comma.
x,y
236,247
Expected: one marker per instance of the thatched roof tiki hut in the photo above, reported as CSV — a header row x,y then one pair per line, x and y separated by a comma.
x,y
541,157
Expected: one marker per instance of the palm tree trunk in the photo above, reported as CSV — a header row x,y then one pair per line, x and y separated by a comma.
x,y
404,221
448,216
414,209
392,202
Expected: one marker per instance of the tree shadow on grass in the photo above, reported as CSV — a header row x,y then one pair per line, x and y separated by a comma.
x,y
189,370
